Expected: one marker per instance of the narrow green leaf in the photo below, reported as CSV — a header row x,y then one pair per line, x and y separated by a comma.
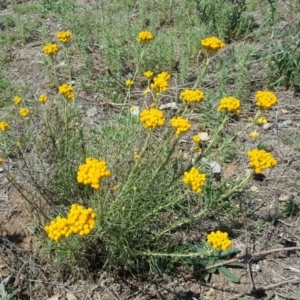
x,y
228,274
236,264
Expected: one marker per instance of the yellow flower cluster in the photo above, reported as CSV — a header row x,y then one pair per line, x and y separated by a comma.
x,y
212,43
50,49
24,112
91,172
219,240
3,126
129,83
195,179
43,98
67,91
192,96
64,36
152,118
79,221
148,74
145,37
180,124
265,99
17,100
260,160
160,83
254,134
1,160
230,105
262,121
196,138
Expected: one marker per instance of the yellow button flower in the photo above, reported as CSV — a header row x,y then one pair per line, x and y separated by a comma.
x,y
152,118
17,100
230,105
219,240
265,99
50,49
129,83
66,90
148,74
24,112
3,126
43,98
192,96
64,36
180,124
194,179
260,160
212,44
144,37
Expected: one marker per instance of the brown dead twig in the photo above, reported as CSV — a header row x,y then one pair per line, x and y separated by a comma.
x,y
245,258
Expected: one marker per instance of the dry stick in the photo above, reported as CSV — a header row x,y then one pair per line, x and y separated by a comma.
x,y
248,256
268,287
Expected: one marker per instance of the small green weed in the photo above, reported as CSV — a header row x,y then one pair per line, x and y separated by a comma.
x,y
226,19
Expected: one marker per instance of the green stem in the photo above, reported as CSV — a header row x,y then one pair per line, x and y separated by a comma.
x,y
135,166
179,255
180,223
67,58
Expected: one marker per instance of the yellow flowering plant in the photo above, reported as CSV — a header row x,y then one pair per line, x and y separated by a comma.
x,y
154,177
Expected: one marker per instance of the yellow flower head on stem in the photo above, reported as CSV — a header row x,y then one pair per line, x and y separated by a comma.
x,y
148,74
180,124
129,83
219,240
144,37
192,96
262,121
194,179
1,160
260,160
64,36
66,91
152,118
24,112
80,221
17,100
230,105
91,172
212,44
43,98
160,83
254,134
196,138
50,49
3,125
265,99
